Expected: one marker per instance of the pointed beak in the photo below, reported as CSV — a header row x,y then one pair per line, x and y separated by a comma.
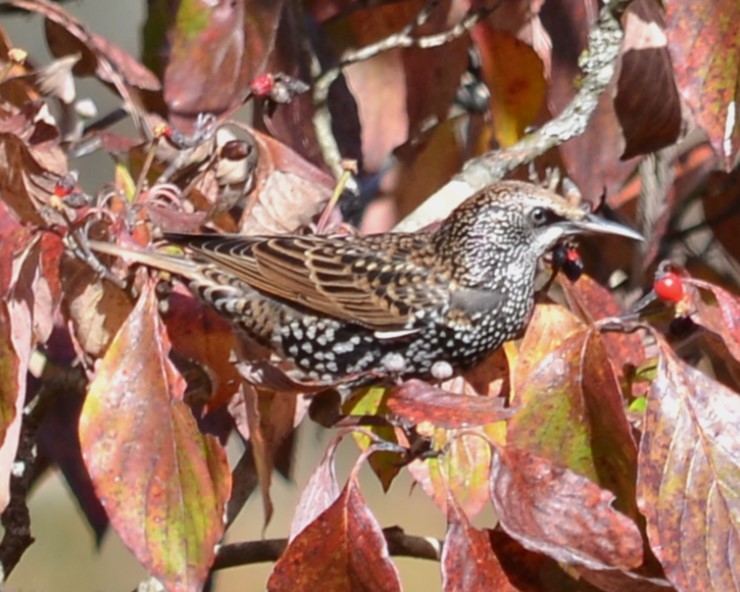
x,y
592,224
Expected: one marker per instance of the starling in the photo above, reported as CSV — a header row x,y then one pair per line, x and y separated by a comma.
x,y
360,309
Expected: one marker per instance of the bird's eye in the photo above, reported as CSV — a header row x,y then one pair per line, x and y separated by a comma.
x,y
538,216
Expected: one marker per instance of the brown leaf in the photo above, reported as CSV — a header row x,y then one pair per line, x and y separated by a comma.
x,y
689,476
432,74
557,512
491,378
271,419
29,165
522,19
517,94
15,352
650,121
704,41
96,308
288,191
424,166
16,340
162,482
343,548
100,56
468,562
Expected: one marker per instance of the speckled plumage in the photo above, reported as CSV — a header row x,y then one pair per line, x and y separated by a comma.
x,y
362,308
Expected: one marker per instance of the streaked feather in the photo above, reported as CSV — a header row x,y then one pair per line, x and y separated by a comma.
x,y
322,275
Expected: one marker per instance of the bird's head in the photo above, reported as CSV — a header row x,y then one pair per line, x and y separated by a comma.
x,y
514,223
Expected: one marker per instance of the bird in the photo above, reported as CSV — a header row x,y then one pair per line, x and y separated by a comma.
x,y
359,309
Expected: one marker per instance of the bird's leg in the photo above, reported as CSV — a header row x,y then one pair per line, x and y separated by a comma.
x,y
77,243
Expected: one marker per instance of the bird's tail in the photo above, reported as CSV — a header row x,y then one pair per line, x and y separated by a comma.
x,y
174,264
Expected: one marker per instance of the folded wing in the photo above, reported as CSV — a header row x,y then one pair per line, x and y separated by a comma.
x,y
373,281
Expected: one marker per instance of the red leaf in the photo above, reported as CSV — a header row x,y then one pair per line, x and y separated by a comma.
x,y
15,351
594,302
528,570
343,548
48,284
206,51
557,512
199,334
551,325
468,562
417,402
162,482
571,411
398,91
689,476
727,327
320,492
704,41
17,275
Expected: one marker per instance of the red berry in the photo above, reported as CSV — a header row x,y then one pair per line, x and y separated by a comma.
x,y
262,85
64,186
669,288
568,259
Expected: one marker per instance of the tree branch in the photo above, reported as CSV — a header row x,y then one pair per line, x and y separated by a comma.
x,y
399,544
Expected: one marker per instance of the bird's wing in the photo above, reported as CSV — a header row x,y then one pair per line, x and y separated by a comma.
x,y
365,280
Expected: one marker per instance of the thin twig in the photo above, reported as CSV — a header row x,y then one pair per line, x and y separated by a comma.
x,y
399,544
323,79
